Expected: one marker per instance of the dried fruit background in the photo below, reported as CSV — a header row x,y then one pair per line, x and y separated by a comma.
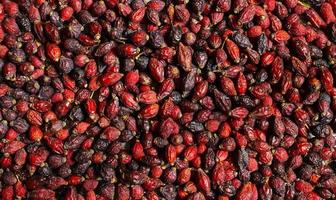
x,y
167,99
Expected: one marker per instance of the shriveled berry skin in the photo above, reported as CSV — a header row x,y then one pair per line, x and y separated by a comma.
x,y
153,99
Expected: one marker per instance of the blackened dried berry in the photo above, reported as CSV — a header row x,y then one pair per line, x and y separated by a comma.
x,y
195,126
23,23
142,62
176,34
241,40
65,65
262,44
156,39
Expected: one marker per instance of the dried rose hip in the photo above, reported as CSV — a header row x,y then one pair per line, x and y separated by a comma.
x,y
153,99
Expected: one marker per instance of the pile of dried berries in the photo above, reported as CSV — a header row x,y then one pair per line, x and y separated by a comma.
x,y
167,99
